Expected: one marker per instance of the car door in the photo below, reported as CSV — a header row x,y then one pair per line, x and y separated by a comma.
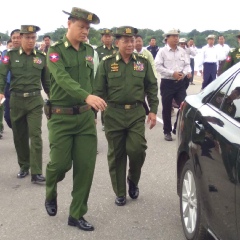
x,y
216,137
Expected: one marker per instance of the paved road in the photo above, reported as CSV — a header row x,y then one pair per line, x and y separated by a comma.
x,y
154,215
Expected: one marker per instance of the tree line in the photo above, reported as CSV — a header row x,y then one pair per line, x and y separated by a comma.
x,y
147,34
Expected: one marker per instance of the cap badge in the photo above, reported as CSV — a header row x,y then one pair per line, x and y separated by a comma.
x,y
30,28
128,30
89,17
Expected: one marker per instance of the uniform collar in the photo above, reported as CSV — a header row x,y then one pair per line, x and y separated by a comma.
x,y
68,44
21,51
119,57
104,46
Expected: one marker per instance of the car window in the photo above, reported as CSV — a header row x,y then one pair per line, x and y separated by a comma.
x,y
218,98
231,104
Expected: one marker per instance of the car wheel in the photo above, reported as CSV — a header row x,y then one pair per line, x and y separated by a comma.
x,y
190,207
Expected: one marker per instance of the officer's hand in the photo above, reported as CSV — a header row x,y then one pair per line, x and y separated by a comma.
x,y
189,75
96,102
152,119
1,97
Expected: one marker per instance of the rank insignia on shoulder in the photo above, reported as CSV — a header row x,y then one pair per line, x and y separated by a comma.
x,y
54,44
114,67
138,66
106,57
232,50
142,55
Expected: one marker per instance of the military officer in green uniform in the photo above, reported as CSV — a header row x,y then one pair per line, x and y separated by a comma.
x,y
72,130
233,56
107,48
1,107
28,70
123,79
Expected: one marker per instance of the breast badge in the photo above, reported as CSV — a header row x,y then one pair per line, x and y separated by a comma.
x,y
114,67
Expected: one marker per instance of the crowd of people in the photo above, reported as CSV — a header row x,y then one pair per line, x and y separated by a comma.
x,y
118,79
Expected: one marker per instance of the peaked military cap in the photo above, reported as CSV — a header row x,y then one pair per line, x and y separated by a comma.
x,y
106,31
238,35
182,40
80,13
171,32
126,31
29,29
210,36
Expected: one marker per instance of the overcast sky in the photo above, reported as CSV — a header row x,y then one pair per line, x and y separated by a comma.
x,y
154,14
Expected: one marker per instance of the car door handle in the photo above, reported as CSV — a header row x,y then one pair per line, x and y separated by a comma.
x,y
199,127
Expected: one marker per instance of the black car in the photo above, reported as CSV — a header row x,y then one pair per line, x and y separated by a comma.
x,y
208,160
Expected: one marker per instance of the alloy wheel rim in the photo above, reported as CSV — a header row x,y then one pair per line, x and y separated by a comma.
x,y
189,202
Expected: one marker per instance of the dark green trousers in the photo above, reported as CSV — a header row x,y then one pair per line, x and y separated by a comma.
x,y
1,116
26,117
73,141
125,133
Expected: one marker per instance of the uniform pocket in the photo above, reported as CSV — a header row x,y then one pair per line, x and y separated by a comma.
x,y
114,79
16,67
138,78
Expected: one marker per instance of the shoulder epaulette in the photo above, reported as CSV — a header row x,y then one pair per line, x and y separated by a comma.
x,y
12,49
106,57
56,43
233,49
142,56
99,46
41,52
89,45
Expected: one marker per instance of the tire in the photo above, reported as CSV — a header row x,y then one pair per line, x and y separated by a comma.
x,y
190,206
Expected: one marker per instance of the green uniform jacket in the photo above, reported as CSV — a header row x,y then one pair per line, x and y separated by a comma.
x,y
104,51
232,58
26,71
122,83
71,73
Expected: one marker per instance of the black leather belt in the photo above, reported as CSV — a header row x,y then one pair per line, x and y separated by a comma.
x,y
125,106
70,110
26,94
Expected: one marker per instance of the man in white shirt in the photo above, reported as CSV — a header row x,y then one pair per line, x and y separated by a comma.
x,y
223,50
209,60
193,53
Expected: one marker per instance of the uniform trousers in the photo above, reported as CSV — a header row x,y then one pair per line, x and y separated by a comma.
x,y
26,118
7,106
209,73
192,68
125,133
169,90
220,67
1,116
73,142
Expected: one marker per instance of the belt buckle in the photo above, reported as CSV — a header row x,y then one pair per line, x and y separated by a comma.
x,y
25,94
75,110
127,106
